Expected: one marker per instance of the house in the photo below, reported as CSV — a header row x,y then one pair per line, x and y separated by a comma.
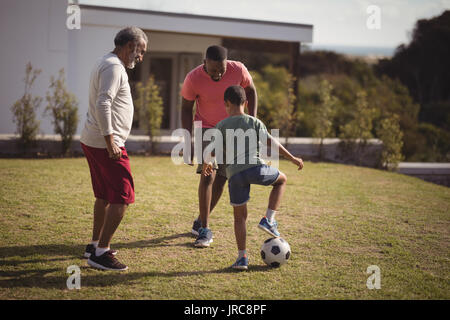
x,y
36,31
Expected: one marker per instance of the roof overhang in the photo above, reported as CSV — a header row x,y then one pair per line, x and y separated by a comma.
x,y
196,24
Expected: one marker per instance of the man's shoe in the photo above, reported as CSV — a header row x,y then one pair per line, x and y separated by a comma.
x,y
90,249
241,264
204,238
270,228
106,261
195,227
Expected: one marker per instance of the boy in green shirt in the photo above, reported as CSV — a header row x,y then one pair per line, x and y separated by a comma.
x,y
246,168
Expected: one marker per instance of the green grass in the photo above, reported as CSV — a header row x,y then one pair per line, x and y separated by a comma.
x,y
338,220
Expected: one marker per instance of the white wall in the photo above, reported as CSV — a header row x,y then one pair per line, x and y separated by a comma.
x,y
177,42
35,31
30,31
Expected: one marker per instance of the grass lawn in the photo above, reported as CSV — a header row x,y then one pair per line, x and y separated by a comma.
x,y
337,219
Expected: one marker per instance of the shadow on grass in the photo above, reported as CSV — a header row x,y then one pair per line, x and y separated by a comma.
x,y
42,278
45,278
76,251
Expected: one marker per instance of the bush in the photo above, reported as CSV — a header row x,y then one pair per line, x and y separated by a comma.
x,y
276,99
323,114
24,111
62,106
433,144
356,132
149,105
390,133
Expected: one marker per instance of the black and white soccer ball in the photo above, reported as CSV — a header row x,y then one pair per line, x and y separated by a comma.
x,y
275,252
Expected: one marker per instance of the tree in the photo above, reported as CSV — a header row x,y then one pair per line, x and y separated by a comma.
x,y
149,105
423,67
390,133
356,132
24,111
63,109
276,99
323,114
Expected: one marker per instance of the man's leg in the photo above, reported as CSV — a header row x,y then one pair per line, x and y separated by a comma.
x,y
216,193
205,196
205,191
100,207
113,217
103,257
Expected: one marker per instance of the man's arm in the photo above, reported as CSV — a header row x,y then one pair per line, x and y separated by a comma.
x,y
252,97
114,151
109,84
186,114
187,118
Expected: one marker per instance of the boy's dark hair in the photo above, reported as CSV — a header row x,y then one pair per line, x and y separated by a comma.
x,y
216,53
235,95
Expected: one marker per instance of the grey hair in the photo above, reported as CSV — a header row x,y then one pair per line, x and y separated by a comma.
x,y
129,34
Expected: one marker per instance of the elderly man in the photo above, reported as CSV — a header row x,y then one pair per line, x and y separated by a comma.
x,y
108,124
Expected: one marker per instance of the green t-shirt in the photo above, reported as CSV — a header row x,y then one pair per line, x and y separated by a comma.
x,y
244,132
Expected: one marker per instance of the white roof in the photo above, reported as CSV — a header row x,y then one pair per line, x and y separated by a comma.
x,y
196,24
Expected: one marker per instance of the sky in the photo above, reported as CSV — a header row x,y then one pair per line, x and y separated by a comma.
x,y
336,22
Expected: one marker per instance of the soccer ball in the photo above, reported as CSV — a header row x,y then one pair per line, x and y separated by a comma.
x,y
275,252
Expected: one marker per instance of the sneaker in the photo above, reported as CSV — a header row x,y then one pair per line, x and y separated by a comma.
x,y
90,249
270,228
204,238
241,264
195,227
106,261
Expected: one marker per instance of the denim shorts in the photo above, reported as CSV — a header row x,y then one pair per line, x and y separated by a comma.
x,y
239,184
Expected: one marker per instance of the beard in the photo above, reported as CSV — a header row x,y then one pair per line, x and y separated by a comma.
x,y
132,60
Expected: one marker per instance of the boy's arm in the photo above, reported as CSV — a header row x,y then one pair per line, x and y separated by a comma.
x,y
284,152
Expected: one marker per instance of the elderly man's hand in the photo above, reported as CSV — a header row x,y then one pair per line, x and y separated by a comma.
x,y
114,152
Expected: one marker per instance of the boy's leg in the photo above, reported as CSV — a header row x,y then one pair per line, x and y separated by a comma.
x,y
268,222
240,232
277,192
240,229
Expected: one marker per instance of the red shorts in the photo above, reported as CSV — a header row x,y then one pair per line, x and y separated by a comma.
x,y
111,179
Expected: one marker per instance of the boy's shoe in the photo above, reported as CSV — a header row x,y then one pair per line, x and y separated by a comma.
x,y
270,228
204,238
241,264
90,249
106,261
195,227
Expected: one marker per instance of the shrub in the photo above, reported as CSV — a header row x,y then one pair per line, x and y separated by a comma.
x,y
276,99
62,106
323,114
24,111
356,132
390,133
149,106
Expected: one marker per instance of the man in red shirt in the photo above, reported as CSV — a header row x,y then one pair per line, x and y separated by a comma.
x,y
205,85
